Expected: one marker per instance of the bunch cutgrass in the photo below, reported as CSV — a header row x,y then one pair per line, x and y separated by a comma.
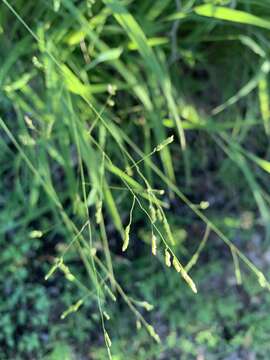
x,y
76,136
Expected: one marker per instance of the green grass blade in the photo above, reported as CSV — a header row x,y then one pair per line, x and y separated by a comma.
x,y
228,14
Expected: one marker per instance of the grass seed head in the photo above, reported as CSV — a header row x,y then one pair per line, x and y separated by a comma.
x,y
138,324
112,89
72,309
165,143
36,234
29,122
147,306
154,244
99,212
107,339
153,333
179,268
106,315
65,269
110,293
176,264
58,263
167,258
126,238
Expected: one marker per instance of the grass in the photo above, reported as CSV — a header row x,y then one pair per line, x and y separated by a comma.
x,y
123,121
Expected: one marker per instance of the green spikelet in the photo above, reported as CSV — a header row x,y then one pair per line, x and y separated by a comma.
x,y
153,213
179,268
127,229
107,339
153,333
154,245
126,238
72,309
168,231
167,258
164,143
57,264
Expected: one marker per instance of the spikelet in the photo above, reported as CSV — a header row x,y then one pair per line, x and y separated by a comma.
x,y
29,122
99,212
111,89
64,268
144,304
164,143
110,293
154,245
204,205
106,315
58,263
126,238
147,306
107,339
127,229
72,308
262,280
167,258
168,231
237,271
138,324
179,268
36,62
35,234
110,102
153,214
176,264
152,333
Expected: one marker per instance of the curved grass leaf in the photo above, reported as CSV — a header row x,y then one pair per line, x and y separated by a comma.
x,y
227,14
